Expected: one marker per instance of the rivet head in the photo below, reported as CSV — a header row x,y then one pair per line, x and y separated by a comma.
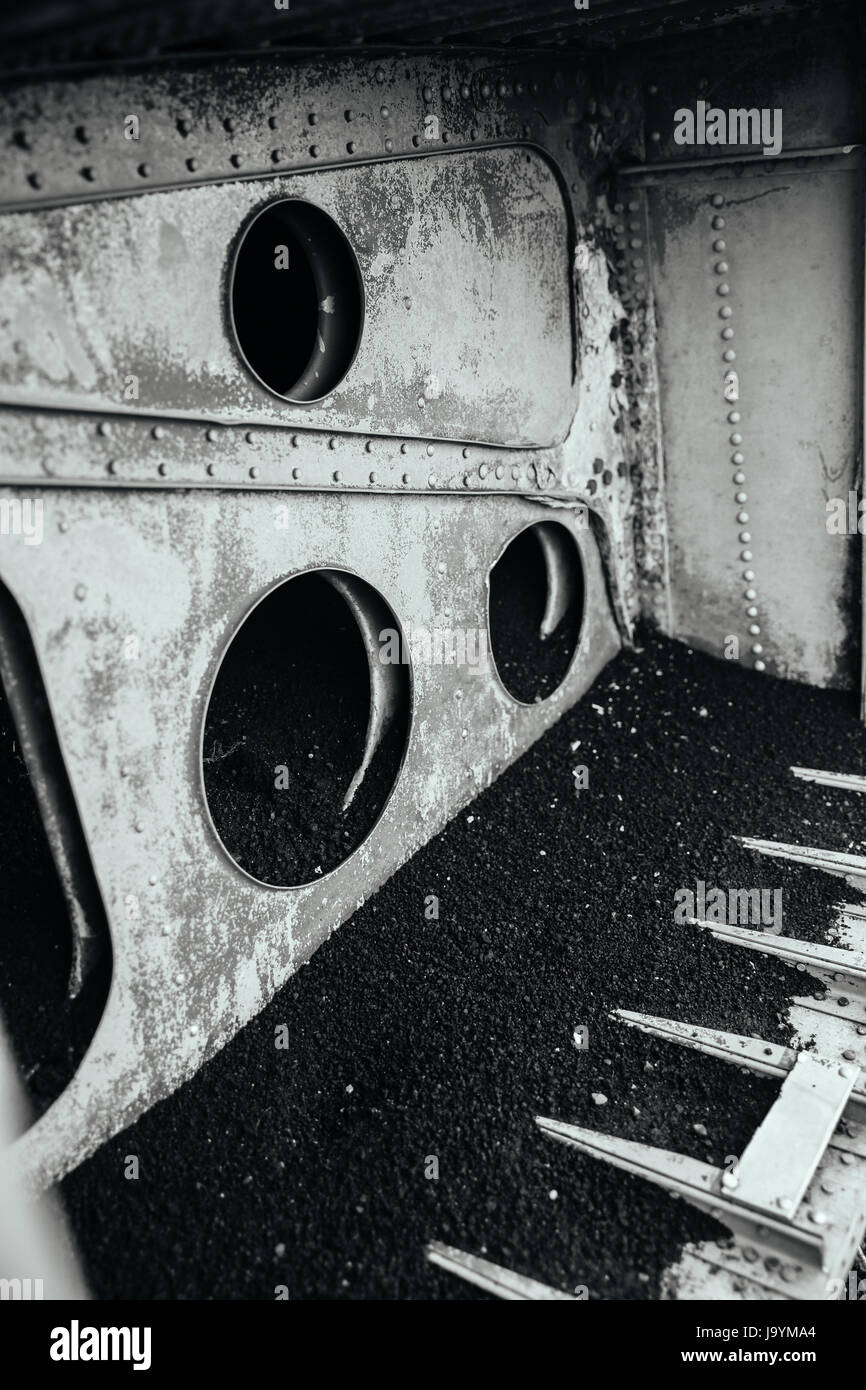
x,y
742,517
254,472
818,1218
430,450
745,537
337,475
482,470
751,593
736,438
380,74
745,554
727,332
372,477
723,288
405,479
296,473
757,649
718,223
726,310
722,267
739,477
748,575
719,245
80,592
738,458
849,1055
751,611
389,145
717,200
427,94
500,470
759,666
755,629
485,89
729,356
734,417
741,497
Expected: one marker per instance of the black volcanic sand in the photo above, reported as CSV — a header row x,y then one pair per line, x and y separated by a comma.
x,y
293,694
412,1038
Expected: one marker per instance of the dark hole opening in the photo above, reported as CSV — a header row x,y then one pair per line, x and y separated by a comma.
x,y
297,300
530,665
285,732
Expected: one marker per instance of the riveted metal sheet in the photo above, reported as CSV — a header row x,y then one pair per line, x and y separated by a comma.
x,y
759,351
180,570
257,116
466,264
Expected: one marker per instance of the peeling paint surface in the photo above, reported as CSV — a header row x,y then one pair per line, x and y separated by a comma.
x,y
466,262
181,570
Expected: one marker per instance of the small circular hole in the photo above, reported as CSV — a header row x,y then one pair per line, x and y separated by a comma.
x,y
297,300
536,608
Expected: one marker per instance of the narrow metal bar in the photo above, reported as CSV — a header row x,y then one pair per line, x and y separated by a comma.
x,y
667,165
495,1279
807,953
849,781
829,861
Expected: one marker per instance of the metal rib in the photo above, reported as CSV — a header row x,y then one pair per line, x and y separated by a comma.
x,y
830,861
495,1279
848,781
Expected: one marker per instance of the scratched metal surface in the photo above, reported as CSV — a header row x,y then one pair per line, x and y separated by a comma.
x,y
180,570
793,251
465,261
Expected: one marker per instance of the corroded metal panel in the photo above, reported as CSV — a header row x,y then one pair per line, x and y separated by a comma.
x,y
465,261
759,352
180,570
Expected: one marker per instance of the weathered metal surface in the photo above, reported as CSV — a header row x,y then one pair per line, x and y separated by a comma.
x,y
257,116
759,360
465,261
208,945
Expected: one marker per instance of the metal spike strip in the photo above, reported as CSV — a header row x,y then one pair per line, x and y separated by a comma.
x,y
492,1278
813,955
763,1058
830,861
846,781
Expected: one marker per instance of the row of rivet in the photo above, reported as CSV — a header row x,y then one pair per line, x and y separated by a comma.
x,y
632,269
482,472
737,458
185,128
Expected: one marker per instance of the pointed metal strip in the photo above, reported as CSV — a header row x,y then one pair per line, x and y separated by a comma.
x,y
758,1055
677,1172
847,781
830,861
781,1157
696,1182
808,953
495,1279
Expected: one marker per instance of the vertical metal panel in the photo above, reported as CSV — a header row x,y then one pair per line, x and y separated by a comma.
x,y
793,258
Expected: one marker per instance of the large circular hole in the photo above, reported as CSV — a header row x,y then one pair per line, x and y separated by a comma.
x,y
297,300
305,729
537,596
